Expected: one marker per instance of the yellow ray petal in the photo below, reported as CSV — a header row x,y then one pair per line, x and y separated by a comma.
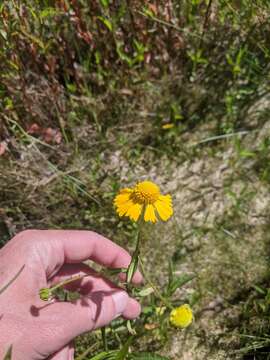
x,y
134,211
166,199
121,198
164,210
124,207
149,214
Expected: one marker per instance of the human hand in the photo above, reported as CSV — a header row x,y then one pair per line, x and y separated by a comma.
x,y
38,330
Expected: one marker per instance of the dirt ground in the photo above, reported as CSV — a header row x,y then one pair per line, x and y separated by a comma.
x,y
219,232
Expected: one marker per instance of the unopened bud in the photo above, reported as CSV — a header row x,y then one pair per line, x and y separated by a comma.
x,y
45,294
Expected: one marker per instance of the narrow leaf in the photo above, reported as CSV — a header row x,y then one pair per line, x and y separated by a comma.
x,y
130,329
106,22
11,281
146,292
146,356
105,355
132,268
48,12
123,352
104,3
8,354
179,282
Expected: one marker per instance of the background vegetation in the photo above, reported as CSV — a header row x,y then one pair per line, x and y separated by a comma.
x,y
95,95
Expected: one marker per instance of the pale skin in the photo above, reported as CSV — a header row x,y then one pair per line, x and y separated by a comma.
x,y
45,330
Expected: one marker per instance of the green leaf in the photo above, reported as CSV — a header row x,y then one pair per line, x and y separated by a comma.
x,y
8,354
11,281
3,34
106,22
259,289
132,267
33,38
178,282
48,12
146,292
148,12
130,329
146,356
170,271
122,55
123,352
71,87
148,310
105,3
104,355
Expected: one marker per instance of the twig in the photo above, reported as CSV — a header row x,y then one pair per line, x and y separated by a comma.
x,y
207,14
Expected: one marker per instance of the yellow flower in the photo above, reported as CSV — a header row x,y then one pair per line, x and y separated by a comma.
x,y
167,126
144,197
182,316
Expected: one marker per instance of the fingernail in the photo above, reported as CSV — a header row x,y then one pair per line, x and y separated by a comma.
x,y
120,299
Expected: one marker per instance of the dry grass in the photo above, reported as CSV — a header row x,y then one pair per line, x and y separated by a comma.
x,y
85,90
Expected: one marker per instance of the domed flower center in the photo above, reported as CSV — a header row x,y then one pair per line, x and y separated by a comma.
x,y
146,192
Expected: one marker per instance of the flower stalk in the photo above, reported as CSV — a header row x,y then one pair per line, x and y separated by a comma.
x,y
133,265
47,294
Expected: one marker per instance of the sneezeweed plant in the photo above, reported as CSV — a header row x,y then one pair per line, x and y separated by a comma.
x,y
143,203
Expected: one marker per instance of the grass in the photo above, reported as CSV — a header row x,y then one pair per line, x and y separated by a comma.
x,y
99,81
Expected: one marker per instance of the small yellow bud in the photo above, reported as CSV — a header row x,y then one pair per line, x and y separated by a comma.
x,y
45,294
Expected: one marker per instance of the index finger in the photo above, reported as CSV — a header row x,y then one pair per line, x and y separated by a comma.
x,y
74,246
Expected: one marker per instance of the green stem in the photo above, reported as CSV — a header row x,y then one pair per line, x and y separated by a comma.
x,y
153,286
68,281
47,293
104,338
133,265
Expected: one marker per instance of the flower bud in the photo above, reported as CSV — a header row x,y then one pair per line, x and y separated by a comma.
x,y
45,294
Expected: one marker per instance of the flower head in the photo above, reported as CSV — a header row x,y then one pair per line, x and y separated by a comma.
x,y
181,316
144,197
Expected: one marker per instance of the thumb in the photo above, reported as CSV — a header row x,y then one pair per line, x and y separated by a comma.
x,y
63,321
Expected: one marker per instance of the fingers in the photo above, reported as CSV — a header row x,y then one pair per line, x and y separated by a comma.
x,y
94,282
56,247
132,310
66,353
102,302
86,314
